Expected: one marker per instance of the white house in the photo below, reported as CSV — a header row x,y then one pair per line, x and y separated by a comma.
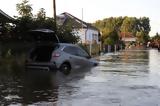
x,y
87,33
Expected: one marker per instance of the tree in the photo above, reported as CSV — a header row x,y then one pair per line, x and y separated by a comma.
x,y
143,29
112,39
23,25
144,25
66,35
129,25
110,28
156,37
137,27
24,9
41,15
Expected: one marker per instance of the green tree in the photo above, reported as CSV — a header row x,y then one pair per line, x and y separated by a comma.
x,y
156,38
23,25
112,39
138,27
110,28
143,29
66,35
144,25
24,9
41,15
129,25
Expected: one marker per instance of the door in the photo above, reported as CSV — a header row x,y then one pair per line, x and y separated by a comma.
x,y
75,60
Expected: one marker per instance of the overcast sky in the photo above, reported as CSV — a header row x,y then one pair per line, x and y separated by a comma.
x,y
95,9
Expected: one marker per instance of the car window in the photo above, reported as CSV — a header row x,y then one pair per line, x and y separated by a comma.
x,y
70,50
82,53
76,51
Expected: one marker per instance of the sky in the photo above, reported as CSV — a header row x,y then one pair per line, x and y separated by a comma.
x,y
94,9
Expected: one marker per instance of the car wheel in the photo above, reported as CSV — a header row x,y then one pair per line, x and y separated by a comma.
x,y
65,68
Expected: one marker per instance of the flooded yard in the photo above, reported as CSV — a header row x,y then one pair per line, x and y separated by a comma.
x,y
126,78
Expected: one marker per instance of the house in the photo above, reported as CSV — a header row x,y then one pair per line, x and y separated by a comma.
x,y
87,33
127,38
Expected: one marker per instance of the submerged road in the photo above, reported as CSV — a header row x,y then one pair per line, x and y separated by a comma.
x,y
126,78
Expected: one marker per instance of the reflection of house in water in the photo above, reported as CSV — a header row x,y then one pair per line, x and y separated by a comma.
x,y
86,32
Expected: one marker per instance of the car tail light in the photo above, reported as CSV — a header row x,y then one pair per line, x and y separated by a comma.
x,y
55,55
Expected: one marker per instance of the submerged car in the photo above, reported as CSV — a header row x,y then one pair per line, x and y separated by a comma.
x,y
62,56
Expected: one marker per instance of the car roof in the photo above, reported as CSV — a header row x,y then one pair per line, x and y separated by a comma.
x,y
67,44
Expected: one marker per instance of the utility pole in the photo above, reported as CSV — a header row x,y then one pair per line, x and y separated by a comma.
x,y
82,34
54,9
82,18
54,13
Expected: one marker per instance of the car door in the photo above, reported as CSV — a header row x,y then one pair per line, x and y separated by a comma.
x,y
73,56
84,56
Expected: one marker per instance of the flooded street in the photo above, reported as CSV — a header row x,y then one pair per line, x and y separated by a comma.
x,y
127,78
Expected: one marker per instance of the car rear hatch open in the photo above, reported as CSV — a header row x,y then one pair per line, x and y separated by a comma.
x,y
44,35
39,57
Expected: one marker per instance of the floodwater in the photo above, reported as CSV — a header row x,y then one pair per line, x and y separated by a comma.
x,y
126,78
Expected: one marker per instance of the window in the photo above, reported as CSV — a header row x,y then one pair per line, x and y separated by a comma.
x,y
70,50
82,53
76,51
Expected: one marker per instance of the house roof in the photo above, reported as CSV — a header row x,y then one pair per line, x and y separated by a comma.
x,y
4,17
126,35
66,18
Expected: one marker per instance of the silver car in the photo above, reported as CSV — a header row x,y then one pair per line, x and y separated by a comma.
x,y
62,56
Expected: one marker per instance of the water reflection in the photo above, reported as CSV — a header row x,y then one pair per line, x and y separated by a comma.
x,y
37,87
126,78
131,62
154,66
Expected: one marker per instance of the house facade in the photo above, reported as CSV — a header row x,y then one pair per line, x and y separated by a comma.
x,y
128,37
88,34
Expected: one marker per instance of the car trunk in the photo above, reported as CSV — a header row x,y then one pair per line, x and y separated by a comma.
x,y
42,53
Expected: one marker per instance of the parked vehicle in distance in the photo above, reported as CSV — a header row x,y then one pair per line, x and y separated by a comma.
x,y
62,56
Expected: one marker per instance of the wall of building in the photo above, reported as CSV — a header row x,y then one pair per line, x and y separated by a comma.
x,y
81,33
92,36
87,35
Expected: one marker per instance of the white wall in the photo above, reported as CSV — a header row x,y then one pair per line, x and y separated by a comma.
x,y
81,33
87,35
92,35
129,39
